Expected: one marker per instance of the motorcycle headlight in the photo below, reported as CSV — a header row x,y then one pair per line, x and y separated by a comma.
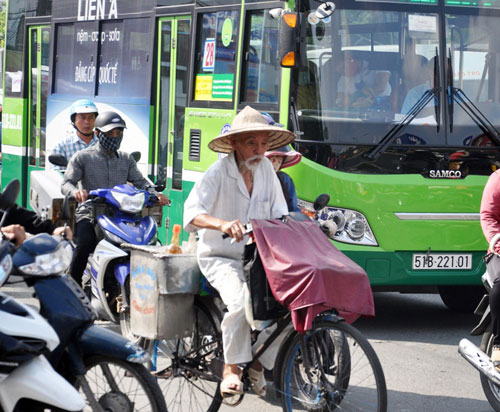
x,y
50,263
5,268
352,226
112,237
129,203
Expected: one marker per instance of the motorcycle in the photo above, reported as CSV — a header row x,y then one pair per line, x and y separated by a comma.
x,y
118,221
107,368
27,380
480,357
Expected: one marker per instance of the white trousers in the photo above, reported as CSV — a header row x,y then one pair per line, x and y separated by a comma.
x,y
231,286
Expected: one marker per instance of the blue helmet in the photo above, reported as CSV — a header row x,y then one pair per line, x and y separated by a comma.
x,y
82,106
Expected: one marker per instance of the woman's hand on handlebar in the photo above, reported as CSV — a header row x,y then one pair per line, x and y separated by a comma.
x,y
234,229
15,233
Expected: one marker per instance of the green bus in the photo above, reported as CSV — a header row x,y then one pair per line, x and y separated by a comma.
x,y
395,105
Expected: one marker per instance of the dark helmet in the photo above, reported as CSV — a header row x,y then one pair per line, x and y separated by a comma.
x,y
107,121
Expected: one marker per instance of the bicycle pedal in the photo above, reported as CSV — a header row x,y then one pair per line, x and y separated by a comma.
x,y
233,400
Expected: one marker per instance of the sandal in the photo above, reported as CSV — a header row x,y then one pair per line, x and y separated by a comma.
x,y
231,379
495,357
258,381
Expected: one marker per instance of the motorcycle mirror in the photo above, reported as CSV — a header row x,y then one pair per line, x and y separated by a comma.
x,y
160,187
58,160
9,195
321,201
136,156
161,180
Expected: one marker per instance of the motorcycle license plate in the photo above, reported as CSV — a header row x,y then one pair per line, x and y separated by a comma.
x,y
441,261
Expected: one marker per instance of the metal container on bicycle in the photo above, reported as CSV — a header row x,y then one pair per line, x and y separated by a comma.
x,y
162,289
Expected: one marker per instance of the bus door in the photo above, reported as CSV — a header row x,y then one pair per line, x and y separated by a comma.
x,y
38,87
173,74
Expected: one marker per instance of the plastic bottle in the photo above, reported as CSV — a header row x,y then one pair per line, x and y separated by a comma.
x,y
190,245
174,247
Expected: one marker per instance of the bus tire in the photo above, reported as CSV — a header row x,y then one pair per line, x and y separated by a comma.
x,y
461,298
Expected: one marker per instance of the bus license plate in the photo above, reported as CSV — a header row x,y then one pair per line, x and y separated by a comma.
x,y
441,261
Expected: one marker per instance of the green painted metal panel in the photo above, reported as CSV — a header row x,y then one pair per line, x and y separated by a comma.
x,y
209,122
379,197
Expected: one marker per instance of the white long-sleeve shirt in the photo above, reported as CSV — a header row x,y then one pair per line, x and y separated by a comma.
x,y
222,193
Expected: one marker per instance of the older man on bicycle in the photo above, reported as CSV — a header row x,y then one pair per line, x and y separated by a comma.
x,y
235,189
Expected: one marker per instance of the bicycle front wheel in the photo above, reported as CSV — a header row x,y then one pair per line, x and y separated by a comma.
x,y
333,367
188,369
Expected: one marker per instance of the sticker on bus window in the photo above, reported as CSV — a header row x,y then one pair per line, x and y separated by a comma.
x,y
227,32
418,22
209,55
203,87
223,86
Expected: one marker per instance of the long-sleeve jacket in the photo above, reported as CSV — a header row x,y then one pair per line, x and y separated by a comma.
x,y
490,207
95,168
28,219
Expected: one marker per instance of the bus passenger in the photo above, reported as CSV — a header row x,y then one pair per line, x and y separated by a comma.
x,y
490,223
358,86
281,158
236,188
82,113
99,166
415,93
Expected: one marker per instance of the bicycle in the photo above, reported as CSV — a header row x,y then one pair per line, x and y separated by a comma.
x,y
331,366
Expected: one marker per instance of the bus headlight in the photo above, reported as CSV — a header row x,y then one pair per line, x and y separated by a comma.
x,y
352,226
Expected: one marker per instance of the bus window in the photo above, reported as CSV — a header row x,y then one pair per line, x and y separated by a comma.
x,y
363,69
216,48
14,44
38,8
474,62
75,62
125,48
261,71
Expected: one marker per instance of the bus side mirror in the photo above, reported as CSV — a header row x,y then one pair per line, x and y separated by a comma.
x,y
292,43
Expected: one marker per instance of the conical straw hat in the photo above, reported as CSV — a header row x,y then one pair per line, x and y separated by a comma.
x,y
247,121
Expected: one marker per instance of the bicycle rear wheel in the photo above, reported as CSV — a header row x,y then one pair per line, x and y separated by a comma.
x,y
188,369
331,368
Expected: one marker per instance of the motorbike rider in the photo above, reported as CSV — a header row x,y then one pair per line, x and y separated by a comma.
x,y
490,223
83,114
236,188
99,166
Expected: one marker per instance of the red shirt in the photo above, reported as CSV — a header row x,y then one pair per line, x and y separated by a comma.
x,y
490,208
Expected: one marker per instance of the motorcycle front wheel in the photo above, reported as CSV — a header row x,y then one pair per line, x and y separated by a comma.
x,y
491,390
118,385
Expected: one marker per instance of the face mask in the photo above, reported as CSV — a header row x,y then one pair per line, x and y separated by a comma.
x,y
110,143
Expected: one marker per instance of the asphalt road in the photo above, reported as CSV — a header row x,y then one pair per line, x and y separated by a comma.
x,y
416,338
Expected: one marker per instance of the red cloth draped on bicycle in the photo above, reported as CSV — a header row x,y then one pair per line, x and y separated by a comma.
x,y
308,274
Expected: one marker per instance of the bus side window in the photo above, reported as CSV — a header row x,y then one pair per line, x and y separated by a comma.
x,y
260,72
215,63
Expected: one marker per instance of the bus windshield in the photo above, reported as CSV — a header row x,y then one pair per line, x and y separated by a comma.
x,y
376,77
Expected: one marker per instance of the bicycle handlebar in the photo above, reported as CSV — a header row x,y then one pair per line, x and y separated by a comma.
x,y
248,230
